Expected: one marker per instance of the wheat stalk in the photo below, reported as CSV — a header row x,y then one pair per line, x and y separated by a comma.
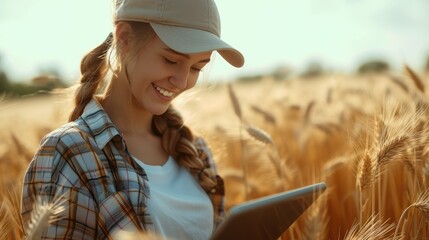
x,y
12,203
235,102
308,110
237,111
23,150
335,163
329,96
43,215
409,164
4,223
416,79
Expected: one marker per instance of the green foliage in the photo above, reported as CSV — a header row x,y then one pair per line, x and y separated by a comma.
x,y
373,66
281,73
313,70
250,78
48,80
4,82
40,84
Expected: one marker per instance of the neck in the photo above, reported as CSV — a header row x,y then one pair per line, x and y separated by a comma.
x,y
124,112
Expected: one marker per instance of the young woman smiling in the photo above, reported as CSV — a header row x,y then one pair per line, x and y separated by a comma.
x,y
126,161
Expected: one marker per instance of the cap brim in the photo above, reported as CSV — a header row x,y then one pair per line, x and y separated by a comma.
x,y
189,40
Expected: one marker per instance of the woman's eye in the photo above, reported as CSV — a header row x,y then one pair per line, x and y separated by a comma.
x,y
169,61
195,69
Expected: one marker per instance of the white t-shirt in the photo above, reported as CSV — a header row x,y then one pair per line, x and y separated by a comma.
x,y
178,206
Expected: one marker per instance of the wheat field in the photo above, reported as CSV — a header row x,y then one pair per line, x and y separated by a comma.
x,y
366,136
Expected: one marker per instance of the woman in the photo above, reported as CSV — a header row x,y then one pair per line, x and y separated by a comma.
x,y
125,161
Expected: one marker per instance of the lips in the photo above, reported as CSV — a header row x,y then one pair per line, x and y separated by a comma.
x,y
162,91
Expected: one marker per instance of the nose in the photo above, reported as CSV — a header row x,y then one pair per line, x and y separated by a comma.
x,y
179,79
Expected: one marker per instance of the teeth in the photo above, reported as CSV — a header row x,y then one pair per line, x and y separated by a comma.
x,y
163,91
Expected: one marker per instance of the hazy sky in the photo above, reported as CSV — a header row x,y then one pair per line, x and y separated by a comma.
x,y
340,34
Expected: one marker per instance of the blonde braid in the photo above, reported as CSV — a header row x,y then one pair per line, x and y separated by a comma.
x,y
178,141
93,68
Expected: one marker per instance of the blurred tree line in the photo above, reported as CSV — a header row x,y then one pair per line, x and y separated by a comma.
x,y
47,80
316,69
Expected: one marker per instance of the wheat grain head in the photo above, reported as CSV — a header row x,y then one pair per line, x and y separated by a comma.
x,y
235,103
414,77
43,215
267,115
373,228
259,135
366,172
392,149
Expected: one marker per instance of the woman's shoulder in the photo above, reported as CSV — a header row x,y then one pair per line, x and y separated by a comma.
x,y
60,147
68,133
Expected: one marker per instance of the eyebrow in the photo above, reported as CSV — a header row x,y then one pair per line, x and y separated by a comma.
x,y
185,55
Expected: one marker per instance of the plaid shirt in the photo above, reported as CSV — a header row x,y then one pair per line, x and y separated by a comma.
x,y
88,163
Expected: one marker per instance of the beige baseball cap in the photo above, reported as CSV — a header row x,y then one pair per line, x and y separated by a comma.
x,y
186,26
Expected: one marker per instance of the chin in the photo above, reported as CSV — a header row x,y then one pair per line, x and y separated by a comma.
x,y
159,111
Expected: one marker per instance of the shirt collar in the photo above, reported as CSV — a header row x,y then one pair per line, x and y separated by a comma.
x,y
99,123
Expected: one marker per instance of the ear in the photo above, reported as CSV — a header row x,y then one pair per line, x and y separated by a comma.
x,y
123,33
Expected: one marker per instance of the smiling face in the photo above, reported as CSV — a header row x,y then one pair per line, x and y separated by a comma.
x,y
157,75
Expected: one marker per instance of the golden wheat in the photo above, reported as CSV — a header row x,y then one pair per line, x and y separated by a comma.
x,y
358,140
374,228
4,224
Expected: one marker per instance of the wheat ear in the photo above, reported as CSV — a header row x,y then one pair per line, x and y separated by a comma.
x,y
235,102
365,173
267,116
421,203
259,135
413,76
374,228
43,215
392,149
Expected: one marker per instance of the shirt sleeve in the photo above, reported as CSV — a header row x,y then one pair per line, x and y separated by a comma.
x,y
49,177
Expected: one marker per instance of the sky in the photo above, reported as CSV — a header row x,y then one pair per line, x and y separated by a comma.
x,y
340,34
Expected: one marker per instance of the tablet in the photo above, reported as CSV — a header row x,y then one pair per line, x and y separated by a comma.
x,y
267,217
